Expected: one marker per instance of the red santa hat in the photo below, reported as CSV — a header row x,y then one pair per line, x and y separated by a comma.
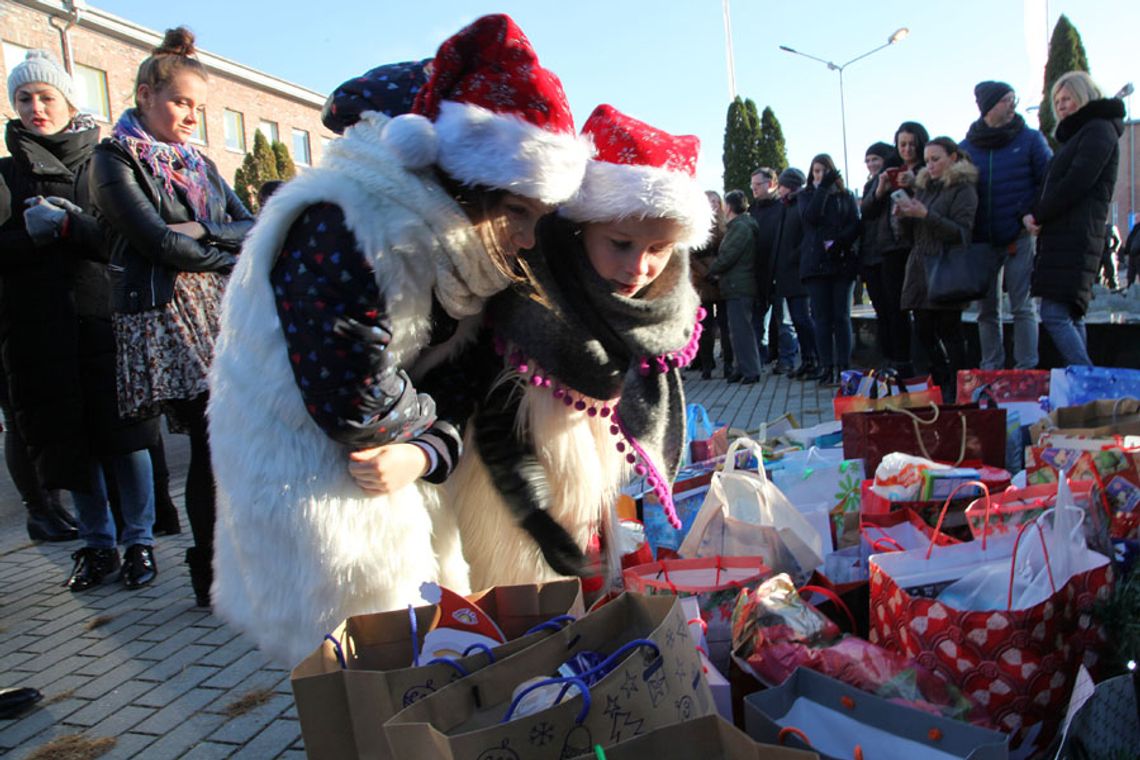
x,y
641,172
491,115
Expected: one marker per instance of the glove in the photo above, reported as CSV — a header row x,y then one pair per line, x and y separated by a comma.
x,y
44,221
829,178
64,204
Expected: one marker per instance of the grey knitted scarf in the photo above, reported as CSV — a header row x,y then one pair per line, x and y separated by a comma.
x,y
580,338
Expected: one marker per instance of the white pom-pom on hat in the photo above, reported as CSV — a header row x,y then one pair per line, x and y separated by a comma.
x,y
412,139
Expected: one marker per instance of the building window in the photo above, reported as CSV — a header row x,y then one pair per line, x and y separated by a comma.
x,y
301,147
13,56
199,136
269,129
233,124
91,91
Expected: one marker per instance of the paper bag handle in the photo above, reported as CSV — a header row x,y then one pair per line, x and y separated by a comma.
x,y
915,420
826,592
554,624
1013,559
730,457
787,731
337,650
884,544
946,506
603,667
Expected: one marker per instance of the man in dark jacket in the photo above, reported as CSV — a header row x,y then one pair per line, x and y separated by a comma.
x,y
790,295
1011,160
1132,251
735,270
766,209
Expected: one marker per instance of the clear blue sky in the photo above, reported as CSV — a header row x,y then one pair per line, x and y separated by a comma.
x,y
665,61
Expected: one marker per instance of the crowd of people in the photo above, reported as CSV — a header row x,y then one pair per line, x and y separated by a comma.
x,y
1044,216
442,352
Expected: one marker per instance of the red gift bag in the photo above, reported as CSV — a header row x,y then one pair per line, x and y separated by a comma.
x,y
951,433
1016,665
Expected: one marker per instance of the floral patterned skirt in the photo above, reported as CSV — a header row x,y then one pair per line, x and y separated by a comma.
x,y
164,355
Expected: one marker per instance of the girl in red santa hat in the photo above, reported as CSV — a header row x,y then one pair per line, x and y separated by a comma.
x,y
584,384
352,272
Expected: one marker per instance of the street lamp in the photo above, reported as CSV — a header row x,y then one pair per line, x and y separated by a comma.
x,y
1126,92
897,36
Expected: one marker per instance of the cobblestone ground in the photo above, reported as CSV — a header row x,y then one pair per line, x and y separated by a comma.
x,y
163,677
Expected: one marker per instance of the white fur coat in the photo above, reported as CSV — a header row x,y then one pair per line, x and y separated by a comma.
x,y
299,546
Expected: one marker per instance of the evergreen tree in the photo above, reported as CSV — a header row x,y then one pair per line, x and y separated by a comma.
x,y
258,166
1066,53
771,151
741,145
286,169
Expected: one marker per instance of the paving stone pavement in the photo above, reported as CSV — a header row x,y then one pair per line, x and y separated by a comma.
x,y
157,673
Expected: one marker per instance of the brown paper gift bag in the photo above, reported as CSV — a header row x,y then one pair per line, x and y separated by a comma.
x,y
646,690
1096,419
342,709
707,738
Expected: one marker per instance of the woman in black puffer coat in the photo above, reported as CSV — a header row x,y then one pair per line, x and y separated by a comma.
x,y
57,346
828,263
1071,210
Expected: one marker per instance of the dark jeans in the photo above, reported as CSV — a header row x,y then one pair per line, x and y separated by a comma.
x,y
800,313
742,331
940,332
891,322
760,325
725,340
893,273
706,349
831,317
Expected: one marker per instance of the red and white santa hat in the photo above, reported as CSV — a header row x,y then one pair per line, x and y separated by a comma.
x,y
639,171
491,115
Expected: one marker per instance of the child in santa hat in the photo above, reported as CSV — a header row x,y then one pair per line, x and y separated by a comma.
x,y
353,270
584,384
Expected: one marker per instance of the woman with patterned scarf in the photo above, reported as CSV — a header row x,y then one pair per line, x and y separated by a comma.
x,y
57,343
174,228
583,369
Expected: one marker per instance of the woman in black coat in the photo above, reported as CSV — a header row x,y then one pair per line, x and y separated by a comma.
x,y
174,229
58,351
828,263
1071,210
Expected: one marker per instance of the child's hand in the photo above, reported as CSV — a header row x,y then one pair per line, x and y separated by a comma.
x,y
385,469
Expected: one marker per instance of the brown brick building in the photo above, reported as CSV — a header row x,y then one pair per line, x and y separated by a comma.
x,y
104,51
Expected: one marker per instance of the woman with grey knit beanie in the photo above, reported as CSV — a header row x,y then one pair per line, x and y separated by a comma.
x,y
58,348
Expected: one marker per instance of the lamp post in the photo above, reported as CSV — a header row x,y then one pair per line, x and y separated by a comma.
x,y
897,36
1126,92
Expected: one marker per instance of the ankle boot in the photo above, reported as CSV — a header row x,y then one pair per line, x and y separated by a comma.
x,y
46,525
806,369
201,573
166,521
821,374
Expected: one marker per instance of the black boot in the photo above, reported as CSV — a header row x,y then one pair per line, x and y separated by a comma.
x,y
807,368
91,567
45,525
820,375
201,573
166,521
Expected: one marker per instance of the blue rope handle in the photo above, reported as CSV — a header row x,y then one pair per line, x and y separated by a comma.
x,y
462,671
415,636
480,647
554,624
566,684
603,668
337,650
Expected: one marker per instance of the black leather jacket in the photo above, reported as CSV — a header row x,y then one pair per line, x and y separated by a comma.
x,y
145,254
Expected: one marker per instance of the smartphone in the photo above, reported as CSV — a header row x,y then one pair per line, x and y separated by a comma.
x,y
900,195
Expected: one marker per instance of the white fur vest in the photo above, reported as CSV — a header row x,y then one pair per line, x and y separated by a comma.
x,y
299,546
585,472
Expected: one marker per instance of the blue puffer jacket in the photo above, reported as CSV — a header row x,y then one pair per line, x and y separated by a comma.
x,y
1009,177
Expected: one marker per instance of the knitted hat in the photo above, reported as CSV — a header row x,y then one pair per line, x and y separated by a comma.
x,y
39,66
490,115
881,149
987,94
390,89
792,178
640,171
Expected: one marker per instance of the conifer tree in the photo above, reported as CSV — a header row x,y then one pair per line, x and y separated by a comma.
x,y
1066,53
741,145
771,151
258,166
286,169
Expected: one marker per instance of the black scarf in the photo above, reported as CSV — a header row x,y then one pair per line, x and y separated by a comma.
x,y
982,135
589,341
57,155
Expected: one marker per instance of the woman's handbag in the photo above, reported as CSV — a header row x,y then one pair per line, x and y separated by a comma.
x,y
961,273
